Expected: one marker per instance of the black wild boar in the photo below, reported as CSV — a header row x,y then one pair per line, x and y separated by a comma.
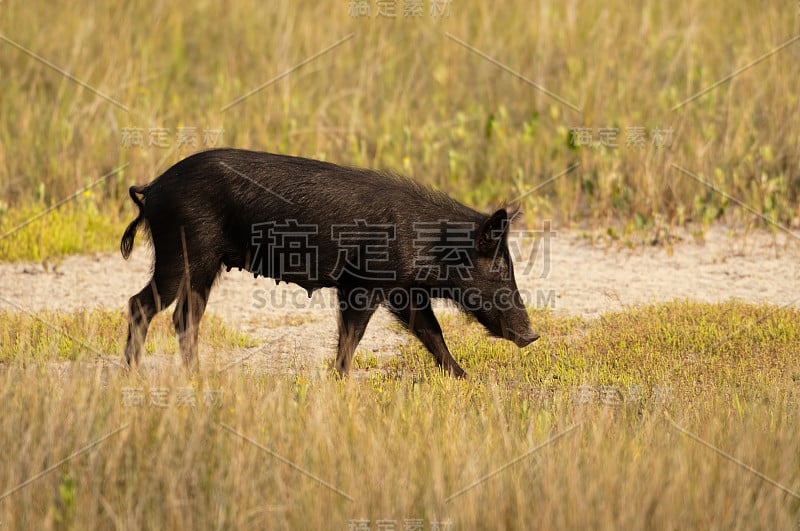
x,y
379,239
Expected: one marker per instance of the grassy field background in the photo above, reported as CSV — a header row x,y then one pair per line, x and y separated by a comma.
x,y
437,97
607,426
678,415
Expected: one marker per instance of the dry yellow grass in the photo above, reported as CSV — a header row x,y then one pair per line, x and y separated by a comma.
x,y
614,433
407,93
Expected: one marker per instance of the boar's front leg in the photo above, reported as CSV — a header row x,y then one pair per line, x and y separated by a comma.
x,y
354,314
421,320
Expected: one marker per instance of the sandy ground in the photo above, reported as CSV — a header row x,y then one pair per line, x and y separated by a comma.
x,y
573,277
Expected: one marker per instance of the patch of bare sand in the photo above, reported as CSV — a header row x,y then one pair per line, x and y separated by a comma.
x,y
573,277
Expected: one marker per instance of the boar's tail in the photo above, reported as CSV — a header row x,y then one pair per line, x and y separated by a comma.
x,y
126,245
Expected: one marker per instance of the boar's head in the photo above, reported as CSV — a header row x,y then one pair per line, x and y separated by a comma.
x,y
492,295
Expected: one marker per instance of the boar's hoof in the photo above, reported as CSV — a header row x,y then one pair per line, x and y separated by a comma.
x,y
456,372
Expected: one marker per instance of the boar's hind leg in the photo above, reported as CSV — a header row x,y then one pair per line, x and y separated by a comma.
x,y
143,306
422,321
189,310
353,319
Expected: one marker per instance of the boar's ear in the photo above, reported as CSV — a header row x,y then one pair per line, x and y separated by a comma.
x,y
492,232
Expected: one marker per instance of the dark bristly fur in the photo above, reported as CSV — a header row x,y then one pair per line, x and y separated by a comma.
x,y
203,211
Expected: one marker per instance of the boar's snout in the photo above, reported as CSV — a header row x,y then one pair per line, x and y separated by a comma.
x,y
523,340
